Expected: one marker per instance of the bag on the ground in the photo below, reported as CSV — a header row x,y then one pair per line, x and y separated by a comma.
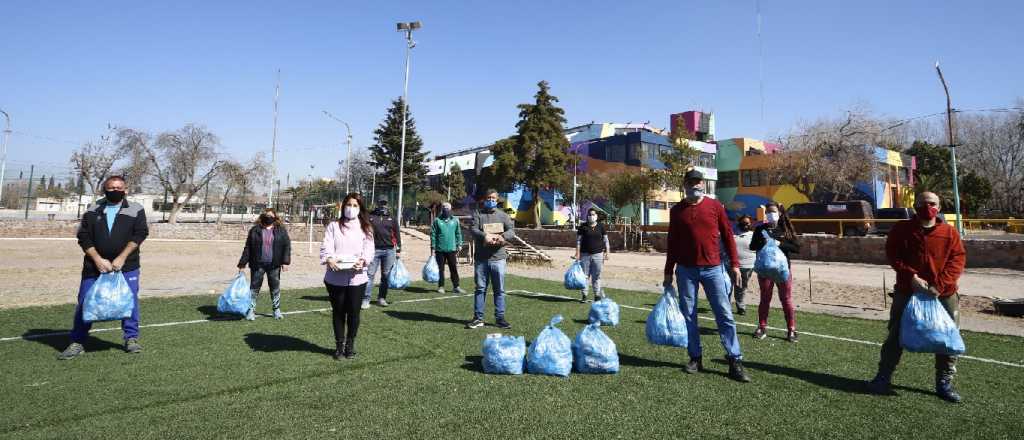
x,y
666,324
604,311
594,352
551,352
504,354
926,327
399,277
237,298
770,262
109,299
430,271
575,279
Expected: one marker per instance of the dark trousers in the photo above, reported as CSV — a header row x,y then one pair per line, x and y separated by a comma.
x,y
448,258
345,302
945,365
273,275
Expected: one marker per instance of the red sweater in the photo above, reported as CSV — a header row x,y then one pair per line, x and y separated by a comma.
x,y
937,256
696,234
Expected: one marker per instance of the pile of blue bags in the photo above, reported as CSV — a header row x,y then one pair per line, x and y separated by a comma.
x,y
666,324
770,262
430,271
551,352
594,352
399,277
237,298
504,354
575,279
108,299
926,327
604,311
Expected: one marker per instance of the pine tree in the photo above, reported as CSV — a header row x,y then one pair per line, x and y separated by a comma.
x,y
387,148
455,183
536,157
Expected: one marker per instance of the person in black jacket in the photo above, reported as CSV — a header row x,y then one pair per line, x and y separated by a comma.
x,y
778,227
268,250
110,233
387,241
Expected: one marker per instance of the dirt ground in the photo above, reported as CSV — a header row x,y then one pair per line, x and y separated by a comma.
x,y
47,271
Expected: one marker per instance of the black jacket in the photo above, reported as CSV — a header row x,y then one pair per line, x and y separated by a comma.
x,y
786,245
386,233
253,250
130,225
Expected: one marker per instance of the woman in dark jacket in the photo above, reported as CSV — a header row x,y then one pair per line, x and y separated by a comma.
x,y
267,251
778,226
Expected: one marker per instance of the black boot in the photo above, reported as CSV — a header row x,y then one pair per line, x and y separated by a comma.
x,y
881,384
350,349
695,365
944,388
339,350
736,371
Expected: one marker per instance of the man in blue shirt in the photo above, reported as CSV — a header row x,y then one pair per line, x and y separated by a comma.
x,y
109,234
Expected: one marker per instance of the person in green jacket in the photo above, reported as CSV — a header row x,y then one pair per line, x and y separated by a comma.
x,y
445,242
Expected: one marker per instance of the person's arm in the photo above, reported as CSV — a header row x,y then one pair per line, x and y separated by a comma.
x,y
244,260
950,273
670,250
476,229
398,236
433,234
458,235
894,250
327,245
607,244
510,228
789,246
140,230
88,245
119,261
579,241
286,258
725,229
757,240
367,251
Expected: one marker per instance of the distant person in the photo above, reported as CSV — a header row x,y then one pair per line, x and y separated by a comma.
x,y
110,233
698,226
744,224
592,252
445,242
345,250
778,226
387,238
928,257
492,229
267,251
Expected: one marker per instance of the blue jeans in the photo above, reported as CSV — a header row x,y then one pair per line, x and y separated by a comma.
x,y
592,266
493,273
381,257
130,326
717,288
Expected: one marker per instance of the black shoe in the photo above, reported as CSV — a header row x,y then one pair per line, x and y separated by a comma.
x,y
792,336
132,346
74,350
881,384
503,324
736,371
760,333
339,351
476,323
695,365
350,349
944,388
741,311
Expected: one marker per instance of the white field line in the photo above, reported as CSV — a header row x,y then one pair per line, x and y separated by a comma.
x,y
834,338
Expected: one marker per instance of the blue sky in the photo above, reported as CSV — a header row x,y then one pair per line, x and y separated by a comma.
x,y
70,68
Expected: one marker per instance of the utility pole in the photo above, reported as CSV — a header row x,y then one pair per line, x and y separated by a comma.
x,y
575,207
28,198
273,145
952,150
3,152
348,158
407,28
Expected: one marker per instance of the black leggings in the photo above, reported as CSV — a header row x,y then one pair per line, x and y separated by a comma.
x,y
448,258
345,302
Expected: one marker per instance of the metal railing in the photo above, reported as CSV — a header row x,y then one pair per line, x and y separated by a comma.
x,y
1009,225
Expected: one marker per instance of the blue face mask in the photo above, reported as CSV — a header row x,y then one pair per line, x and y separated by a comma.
x,y
490,204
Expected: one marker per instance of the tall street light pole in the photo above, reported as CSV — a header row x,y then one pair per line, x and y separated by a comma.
x,y
273,146
3,152
952,150
407,28
348,158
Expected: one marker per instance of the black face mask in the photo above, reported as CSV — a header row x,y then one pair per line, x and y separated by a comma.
x,y
745,226
267,221
114,196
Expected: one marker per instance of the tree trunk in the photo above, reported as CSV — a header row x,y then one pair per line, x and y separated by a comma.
x,y
172,217
536,208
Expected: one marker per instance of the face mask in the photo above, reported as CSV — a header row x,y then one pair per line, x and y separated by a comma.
x,y
490,204
772,217
267,221
744,226
927,212
694,193
445,212
351,212
114,196
592,219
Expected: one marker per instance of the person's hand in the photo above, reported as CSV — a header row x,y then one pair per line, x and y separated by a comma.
x,y
284,267
332,265
574,257
736,277
118,263
919,284
606,256
241,269
103,265
667,281
358,266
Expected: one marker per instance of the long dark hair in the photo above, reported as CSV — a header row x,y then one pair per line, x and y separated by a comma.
x,y
277,219
788,230
364,218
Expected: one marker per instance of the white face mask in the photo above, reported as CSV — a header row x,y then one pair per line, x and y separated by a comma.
x,y
772,217
351,212
592,219
694,193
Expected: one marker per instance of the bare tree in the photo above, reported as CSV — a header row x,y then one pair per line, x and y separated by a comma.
x,y
241,179
361,172
993,146
93,162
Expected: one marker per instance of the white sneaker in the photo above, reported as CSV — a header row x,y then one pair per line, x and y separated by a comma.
x,y
366,304
382,302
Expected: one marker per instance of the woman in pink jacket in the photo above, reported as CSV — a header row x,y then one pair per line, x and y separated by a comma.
x,y
347,246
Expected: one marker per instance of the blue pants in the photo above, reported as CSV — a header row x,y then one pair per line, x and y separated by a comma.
x,y
385,258
130,326
717,288
489,272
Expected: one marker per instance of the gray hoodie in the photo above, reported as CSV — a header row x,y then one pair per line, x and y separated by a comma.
x,y
483,217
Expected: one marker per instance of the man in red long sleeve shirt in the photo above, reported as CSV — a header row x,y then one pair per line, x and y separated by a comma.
x,y
929,257
698,227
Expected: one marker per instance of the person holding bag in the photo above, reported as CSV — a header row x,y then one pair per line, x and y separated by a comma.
x,y
592,251
267,251
445,242
778,227
345,251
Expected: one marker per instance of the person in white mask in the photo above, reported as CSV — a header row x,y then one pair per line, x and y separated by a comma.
x,y
346,249
592,251
778,226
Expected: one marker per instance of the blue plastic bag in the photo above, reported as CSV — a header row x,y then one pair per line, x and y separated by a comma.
x,y
666,324
551,352
430,271
504,355
399,277
604,311
575,279
594,352
109,299
237,298
770,262
926,327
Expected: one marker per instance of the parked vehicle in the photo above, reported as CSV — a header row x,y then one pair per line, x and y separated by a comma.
x,y
883,228
858,212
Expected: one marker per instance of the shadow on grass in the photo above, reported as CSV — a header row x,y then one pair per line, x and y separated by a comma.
x,y
633,361
58,339
274,343
473,363
415,289
421,316
315,297
824,380
211,312
545,298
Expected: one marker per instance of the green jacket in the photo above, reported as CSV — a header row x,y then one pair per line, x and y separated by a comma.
x,y
446,235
